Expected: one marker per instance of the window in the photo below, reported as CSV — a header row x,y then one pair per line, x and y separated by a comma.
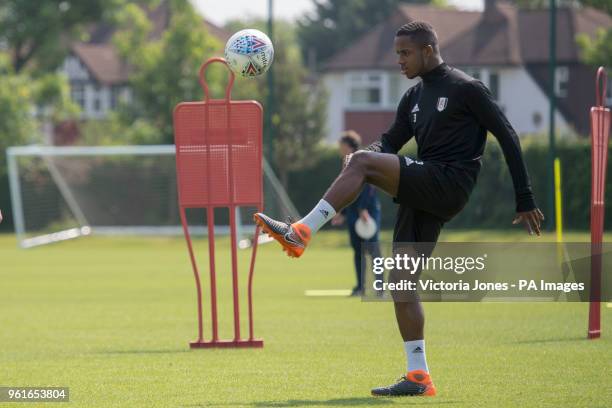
x,y
473,72
494,85
115,97
77,94
97,99
488,77
536,117
561,80
365,96
365,89
398,85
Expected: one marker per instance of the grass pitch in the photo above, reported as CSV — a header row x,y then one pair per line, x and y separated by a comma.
x,y
111,318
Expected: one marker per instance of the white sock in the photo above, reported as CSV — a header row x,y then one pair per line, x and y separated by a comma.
x,y
319,215
415,353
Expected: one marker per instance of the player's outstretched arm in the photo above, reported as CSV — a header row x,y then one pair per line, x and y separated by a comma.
x,y
490,116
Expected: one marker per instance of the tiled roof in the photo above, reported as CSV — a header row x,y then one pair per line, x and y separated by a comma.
x,y
102,62
375,49
501,35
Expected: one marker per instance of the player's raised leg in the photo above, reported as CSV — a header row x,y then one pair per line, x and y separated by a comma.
x,y
379,169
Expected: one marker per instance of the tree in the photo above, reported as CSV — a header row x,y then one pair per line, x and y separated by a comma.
x,y
165,70
298,118
26,103
299,115
37,32
16,124
605,5
597,51
335,24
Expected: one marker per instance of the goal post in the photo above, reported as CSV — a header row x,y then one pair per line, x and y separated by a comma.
x,y
65,192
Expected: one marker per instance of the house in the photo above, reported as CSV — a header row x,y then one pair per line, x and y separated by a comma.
x,y
503,46
98,77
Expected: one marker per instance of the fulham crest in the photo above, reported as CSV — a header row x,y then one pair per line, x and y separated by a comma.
x,y
442,102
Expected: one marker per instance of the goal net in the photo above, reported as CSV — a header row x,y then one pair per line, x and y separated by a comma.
x,y
60,193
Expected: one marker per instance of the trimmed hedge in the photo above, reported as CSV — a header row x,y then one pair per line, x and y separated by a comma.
x,y
491,204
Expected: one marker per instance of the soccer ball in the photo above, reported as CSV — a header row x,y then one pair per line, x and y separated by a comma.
x,y
249,53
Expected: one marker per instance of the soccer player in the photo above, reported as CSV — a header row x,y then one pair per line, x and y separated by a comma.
x,y
449,114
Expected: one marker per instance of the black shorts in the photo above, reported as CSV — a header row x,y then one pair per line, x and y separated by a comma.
x,y
429,195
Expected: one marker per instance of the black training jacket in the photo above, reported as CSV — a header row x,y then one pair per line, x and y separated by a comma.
x,y
449,113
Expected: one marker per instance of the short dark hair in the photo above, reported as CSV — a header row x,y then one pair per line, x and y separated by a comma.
x,y
421,32
351,139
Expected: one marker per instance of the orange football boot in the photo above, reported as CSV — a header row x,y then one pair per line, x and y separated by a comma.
x,y
293,237
414,383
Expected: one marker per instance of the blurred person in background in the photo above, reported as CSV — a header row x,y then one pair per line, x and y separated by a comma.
x,y
366,206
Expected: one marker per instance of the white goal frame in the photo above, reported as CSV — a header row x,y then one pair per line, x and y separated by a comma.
x,y
46,152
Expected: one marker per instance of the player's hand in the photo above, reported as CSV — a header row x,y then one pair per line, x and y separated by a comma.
x,y
337,220
364,215
0,216
532,220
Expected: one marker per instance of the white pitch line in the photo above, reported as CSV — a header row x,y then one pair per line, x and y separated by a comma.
x,y
328,292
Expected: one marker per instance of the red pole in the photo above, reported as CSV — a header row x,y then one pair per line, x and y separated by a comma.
x,y
196,273
250,284
235,293
600,130
210,219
